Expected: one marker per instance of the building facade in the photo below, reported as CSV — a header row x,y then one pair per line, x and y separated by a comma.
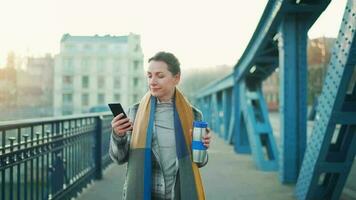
x,y
35,87
271,91
319,51
95,70
35,83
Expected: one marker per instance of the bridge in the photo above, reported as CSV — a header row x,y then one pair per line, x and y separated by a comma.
x,y
56,158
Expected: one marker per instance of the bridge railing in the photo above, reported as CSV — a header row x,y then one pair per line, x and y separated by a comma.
x,y
52,158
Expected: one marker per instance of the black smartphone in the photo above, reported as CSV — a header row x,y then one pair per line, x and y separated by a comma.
x,y
116,109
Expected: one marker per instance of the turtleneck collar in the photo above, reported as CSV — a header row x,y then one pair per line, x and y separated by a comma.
x,y
170,101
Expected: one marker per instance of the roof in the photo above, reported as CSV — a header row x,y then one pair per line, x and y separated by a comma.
x,y
96,38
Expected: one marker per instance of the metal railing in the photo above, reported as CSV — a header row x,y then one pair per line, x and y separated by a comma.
x,y
52,158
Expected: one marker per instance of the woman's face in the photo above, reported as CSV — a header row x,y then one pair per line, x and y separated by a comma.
x,y
161,81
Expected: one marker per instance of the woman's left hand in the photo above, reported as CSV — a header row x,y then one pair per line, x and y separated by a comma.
x,y
207,138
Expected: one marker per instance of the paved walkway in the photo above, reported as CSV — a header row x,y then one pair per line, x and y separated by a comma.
x,y
228,176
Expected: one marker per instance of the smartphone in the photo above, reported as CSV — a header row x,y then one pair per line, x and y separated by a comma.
x,y
116,109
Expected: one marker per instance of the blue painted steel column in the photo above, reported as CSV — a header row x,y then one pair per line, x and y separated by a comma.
x,y
206,109
232,124
220,121
214,113
226,100
242,144
200,105
293,90
259,130
209,111
332,145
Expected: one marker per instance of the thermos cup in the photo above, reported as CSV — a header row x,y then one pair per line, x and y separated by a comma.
x,y
198,148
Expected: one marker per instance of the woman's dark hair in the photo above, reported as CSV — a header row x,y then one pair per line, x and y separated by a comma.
x,y
169,59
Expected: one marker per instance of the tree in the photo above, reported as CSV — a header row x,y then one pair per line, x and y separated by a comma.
x,y
194,80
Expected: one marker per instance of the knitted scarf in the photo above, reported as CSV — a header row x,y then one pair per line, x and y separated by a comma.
x,y
139,174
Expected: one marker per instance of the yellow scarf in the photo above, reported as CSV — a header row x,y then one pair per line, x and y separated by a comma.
x,y
140,147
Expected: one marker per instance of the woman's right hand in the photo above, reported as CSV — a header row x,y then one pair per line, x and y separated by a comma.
x,y
120,125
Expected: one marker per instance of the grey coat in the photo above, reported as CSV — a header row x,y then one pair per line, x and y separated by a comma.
x,y
119,153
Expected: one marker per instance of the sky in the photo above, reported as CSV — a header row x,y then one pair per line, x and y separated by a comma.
x,y
200,33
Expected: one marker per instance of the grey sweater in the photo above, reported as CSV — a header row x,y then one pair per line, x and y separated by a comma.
x,y
164,143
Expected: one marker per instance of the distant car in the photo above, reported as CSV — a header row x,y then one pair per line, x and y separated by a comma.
x,y
99,108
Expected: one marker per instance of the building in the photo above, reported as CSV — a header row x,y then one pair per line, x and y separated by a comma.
x,y
8,82
319,51
8,91
95,70
271,91
27,93
35,83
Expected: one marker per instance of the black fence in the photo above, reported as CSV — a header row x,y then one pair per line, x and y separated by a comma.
x,y
52,158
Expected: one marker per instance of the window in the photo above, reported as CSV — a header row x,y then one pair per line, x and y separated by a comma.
x,y
136,64
135,82
67,112
85,81
85,99
116,97
101,82
101,98
67,80
137,47
67,98
117,82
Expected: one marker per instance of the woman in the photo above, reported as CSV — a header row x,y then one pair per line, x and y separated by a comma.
x,y
155,139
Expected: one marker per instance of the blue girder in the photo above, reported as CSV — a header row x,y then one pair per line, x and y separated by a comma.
x,y
332,146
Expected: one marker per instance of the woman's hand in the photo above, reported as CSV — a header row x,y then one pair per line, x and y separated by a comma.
x,y
120,125
206,137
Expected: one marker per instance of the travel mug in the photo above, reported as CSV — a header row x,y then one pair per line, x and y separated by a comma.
x,y
198,148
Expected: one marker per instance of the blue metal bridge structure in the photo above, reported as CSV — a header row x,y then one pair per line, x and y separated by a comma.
x,y
54,158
